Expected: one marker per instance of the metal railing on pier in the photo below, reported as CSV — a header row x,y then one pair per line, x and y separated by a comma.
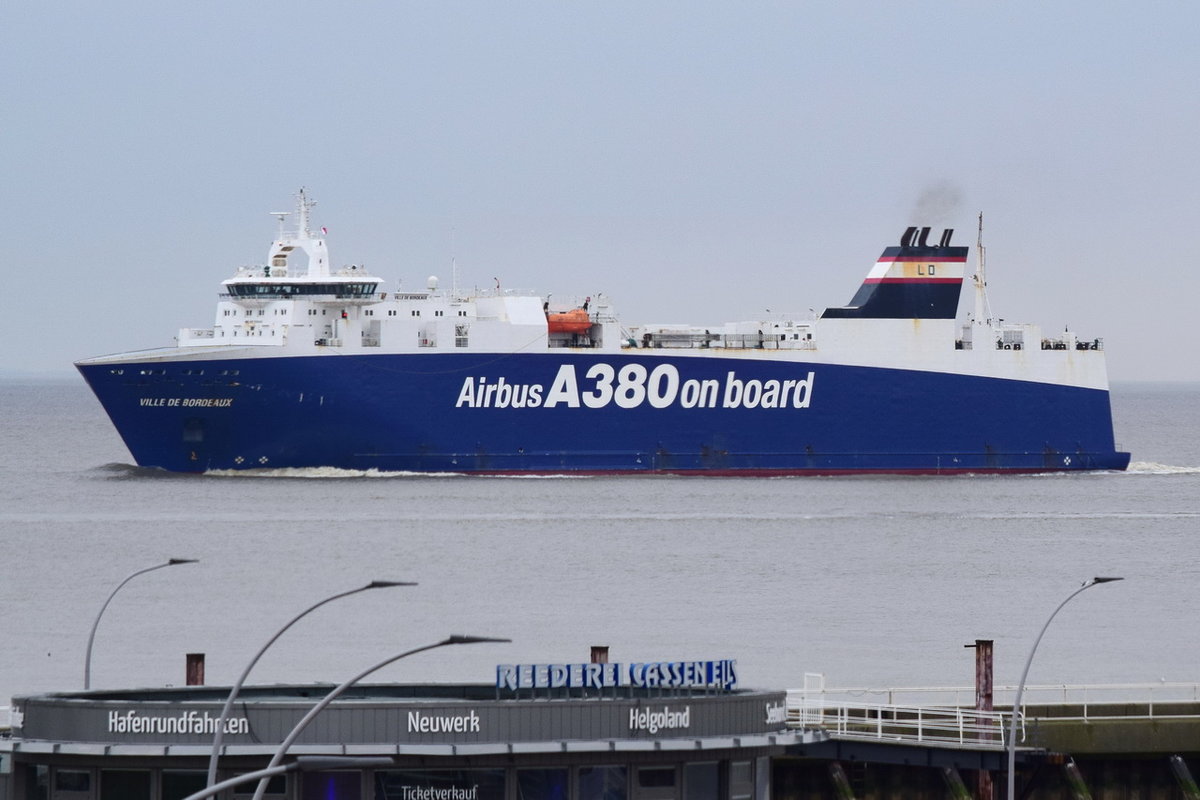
x,y
945,715
945,727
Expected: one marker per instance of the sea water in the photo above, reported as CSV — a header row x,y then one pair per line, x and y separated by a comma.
x,y
868,581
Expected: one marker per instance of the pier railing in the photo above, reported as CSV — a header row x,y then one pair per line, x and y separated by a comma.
x,y
945,716
945,727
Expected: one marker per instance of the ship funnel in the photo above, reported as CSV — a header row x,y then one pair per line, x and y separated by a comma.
x,y
917,280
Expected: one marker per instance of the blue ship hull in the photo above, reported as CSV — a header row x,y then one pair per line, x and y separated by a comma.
x,y
558,412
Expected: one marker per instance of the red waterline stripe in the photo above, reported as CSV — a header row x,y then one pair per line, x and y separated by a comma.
x,y
765,473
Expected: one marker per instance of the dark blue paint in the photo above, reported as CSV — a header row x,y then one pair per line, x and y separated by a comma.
x,y
397,412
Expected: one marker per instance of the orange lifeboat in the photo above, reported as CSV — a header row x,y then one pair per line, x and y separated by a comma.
x,y
574,321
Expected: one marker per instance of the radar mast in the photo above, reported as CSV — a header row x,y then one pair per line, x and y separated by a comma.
x,y
983,309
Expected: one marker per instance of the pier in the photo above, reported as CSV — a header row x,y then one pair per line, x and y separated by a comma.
x,y
1074,742
1080,742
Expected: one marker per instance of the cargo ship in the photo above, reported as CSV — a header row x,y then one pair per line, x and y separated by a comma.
x,y
307,365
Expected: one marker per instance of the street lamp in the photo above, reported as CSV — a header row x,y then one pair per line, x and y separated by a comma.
x,y
334,694
302,763
87,659
1012,723
219,733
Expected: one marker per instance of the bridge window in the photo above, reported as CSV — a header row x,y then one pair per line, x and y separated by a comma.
x,y
291,289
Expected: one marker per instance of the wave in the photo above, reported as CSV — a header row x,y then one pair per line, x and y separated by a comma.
x,y
121,471
1154,468
335,473
324,473
118,471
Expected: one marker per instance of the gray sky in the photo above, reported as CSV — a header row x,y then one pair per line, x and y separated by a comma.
x,y
696,161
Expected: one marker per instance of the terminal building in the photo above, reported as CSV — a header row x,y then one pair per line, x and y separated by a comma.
x,y
648,731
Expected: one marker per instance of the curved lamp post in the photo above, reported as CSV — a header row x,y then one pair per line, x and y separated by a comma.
x,y
1012,723
334,694
219,733
87,659
302,763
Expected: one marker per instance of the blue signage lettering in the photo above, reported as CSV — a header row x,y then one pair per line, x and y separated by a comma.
x,y
720,674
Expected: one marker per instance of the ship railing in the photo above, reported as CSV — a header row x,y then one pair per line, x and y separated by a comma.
x,y
1063,344
729,341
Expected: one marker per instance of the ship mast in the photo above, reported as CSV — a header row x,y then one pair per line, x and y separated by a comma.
x,y
303,207
983,309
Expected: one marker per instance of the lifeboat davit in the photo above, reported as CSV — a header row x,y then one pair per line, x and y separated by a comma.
x,y
574,321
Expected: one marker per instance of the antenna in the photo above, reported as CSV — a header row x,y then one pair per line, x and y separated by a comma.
x,y
303,207
453,269
983,309
281,216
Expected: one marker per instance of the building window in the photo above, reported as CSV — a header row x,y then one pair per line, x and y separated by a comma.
x,y
177,784
656,777
702,781
74,780
124,784
603,783
656,783
37,781
741,780
541,784
329,785
276,787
